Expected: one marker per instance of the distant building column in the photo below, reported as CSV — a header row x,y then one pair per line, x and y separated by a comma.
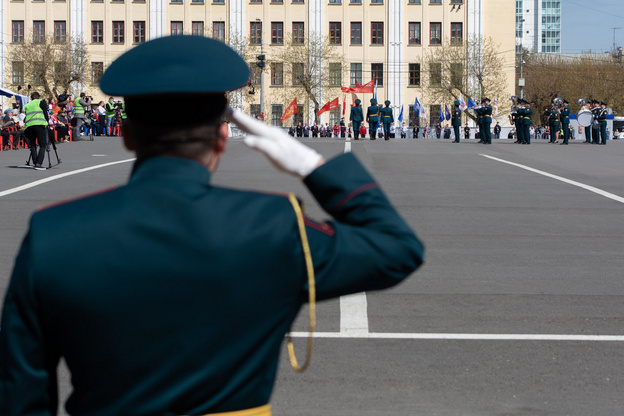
x,y
236,17
77,30
157,19
474,33
3,41
396,34
316,31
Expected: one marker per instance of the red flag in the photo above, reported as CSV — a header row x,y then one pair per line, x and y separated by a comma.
x,y
369,87
346,89
290,110
330,105
353,98
344,104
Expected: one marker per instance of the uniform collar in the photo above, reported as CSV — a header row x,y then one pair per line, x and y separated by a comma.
x,y
167,167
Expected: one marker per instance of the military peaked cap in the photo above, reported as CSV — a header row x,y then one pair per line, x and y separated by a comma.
x,y
456,103
358,101
387,102
180,64
373,101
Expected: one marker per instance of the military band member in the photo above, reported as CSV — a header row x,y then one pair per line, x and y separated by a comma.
x,y
357,115
587,130
520,121
372,118
456,121
602,121
387,119
595,125
526,122
479,117
486,121
564,115
183,303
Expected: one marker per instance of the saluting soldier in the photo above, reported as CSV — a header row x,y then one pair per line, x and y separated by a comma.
x,y
387,119
372,118
165,317
565,121
602,121
356,116
456,121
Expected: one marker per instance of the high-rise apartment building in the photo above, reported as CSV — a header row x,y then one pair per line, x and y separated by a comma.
x,y
383,39
538,25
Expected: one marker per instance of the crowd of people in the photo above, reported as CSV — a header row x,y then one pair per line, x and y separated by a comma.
x,y
56,120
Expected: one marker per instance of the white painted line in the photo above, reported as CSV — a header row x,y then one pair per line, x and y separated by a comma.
x,y
98,155
467,337
562,179
62,175
347,148
354,314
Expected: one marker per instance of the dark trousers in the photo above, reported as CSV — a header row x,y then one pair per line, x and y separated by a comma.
x,y
37,135
356,129
587,134
456,132
603,132
486,132
595,133
526,132
566,132
386,127
520,132
372,128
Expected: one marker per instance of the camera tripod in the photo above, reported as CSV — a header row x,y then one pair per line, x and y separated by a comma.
x,y
48,141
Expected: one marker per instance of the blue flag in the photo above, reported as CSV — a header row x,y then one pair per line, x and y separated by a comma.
x,y
447,113
471,104
441,115
401,115
416,106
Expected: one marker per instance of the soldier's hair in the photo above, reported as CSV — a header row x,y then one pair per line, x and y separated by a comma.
x,y
187,137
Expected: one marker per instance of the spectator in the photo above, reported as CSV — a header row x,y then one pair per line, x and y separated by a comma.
x,y
102,119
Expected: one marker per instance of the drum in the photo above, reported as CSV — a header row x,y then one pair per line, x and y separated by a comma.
x,y
585,118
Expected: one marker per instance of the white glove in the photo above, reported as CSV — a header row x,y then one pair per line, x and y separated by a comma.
x,y
286,153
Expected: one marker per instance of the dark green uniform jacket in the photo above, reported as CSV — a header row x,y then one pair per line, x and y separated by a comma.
x,y
356,113
372,114
180,294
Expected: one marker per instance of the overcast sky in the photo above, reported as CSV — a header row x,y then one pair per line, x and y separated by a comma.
x,y
588,25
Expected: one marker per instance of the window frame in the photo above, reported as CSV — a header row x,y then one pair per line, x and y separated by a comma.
x,y
377,33
457,27
298,33
255,33
97,32
414,75
414,27
198,28
335,33
17,32
176,27
356,33
435,29
119,32
38,31
355,73
377,73
218,26
277,74
138,31
277,33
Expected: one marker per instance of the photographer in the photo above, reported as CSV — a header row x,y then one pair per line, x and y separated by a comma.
x,y
36,126
110,115
81,107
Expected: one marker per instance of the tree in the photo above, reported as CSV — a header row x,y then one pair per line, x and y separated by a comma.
x,y
311,68
588,76
472,68
53,65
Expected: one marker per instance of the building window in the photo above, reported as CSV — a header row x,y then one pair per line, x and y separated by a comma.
x,y
97,69
38,73
276,114
457,75
335,74
355,1
255,1
457,1
435,34
435,1
254,110
356,74
297,74
17,72
298,116
456,33
414,1
298,1
255,33
335,115
435,74
377,73
414,33
196,1
255,75
197,28
218,31
335,1
277,74
97,31
18,31
335,33
414,119
434,113
414,75
376,1
377,33
176,28
39,32
356,33
139,31
118,32
60,31
176,1
277,33
297,33
218,1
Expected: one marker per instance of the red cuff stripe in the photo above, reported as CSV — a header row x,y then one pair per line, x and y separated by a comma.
x,y
356,192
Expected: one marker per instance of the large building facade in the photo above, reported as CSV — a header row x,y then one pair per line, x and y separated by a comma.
x,y
538,25
388,40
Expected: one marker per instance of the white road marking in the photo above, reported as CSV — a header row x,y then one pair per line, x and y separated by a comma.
x,y
562,179
467,337
353,308
62,175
